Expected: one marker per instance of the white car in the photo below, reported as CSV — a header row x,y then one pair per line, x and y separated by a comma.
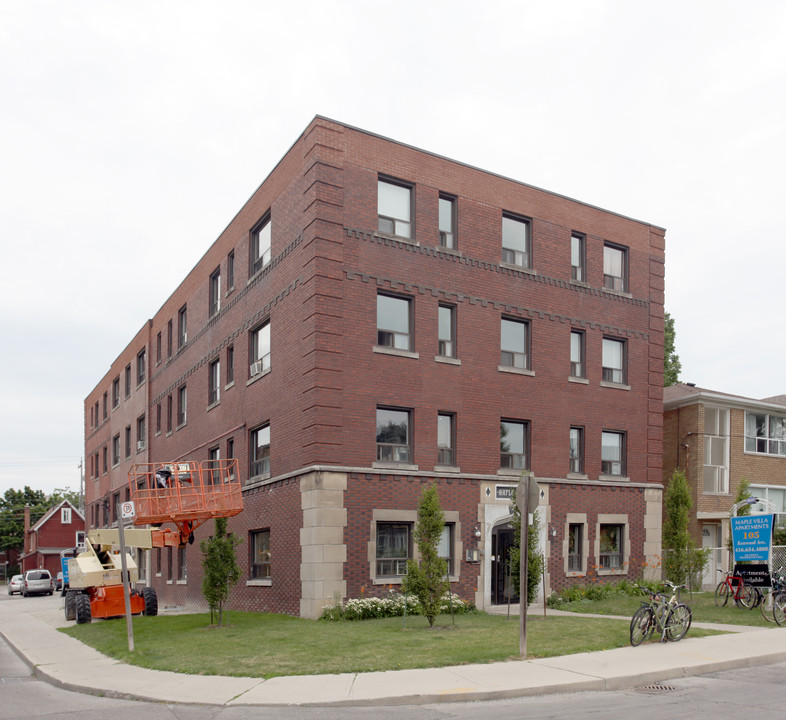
x,y
38,582
15,585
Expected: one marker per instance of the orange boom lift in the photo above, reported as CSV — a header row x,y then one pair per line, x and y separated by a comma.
x,y
185,494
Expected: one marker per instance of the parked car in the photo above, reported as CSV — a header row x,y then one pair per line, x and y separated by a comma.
x,y
59,581
15,585
38,582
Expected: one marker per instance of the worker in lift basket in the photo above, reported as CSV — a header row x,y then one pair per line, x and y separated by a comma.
x,y
163,477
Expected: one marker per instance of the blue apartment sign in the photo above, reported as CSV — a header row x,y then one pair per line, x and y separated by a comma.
x,y
752,536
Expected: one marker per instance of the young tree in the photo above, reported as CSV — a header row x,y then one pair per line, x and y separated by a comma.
x,y
535,562
426,579
671,361
220,567
678,545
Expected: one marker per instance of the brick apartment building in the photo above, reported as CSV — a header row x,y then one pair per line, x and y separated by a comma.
x,y
376,318
718,439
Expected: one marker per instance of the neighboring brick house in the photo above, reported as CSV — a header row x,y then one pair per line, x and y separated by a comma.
x,y
376,318
718,439
59,529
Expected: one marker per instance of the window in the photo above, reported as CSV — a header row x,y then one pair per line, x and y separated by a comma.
x,y
513,444
141,563
393,548
577,261
447,222
394,207
214,294
615,268
576,354
614,361
92,422
182,567
610,555
513,342
575,546
105,406
182,400
393,320
445,547
169,563
214,382
128,441
765,433
169,339
231,271
116,449
158,347
260,451
612,453
393,436
230,364
259,350
96,409
260,245
115,392
128,380
515,241
106,459
716,450
65,516
182,327
140,367
140,433
158,418
214,466
158,562
447,331
577,450
259,543
230,457
169,413
445,439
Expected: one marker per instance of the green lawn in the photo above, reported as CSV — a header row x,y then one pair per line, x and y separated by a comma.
x,y
267,645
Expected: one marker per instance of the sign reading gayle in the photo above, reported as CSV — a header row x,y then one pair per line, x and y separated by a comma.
x,y
751,535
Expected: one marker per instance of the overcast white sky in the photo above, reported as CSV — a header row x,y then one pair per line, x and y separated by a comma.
x,y
132,132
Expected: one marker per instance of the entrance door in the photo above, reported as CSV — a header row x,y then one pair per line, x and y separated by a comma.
x,y
711,538
501,584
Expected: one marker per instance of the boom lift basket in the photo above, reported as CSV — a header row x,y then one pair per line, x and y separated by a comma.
x,y
185,493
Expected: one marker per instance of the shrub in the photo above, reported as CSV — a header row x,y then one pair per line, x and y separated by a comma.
x,y
390,606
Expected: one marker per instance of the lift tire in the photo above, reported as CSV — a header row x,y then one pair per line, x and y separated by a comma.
x,y
151,601
70,606
83,612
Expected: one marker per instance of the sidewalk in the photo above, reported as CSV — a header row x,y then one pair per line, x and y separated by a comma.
x,y
30,628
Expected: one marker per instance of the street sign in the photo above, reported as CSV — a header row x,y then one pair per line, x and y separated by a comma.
x,y
127,510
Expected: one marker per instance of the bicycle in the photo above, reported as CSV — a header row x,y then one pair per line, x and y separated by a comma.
x,y
773,602
734,586
671,617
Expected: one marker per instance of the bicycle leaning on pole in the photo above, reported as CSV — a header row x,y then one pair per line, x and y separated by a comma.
x,y
773,602
671,617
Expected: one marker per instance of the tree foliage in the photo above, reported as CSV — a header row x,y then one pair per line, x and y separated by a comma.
x,y
12,512
220,568
535,561
426,578
671,361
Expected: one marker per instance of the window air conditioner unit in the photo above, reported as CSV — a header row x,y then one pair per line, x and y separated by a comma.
x,y
140,445
256,368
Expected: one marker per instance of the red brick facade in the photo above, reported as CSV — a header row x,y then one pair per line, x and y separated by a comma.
x,y
327,376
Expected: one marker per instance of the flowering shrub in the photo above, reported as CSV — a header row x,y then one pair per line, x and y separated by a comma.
x,y
390,606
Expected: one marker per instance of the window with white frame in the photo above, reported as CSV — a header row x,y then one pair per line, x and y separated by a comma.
x,y
128,380
259,445
447,331
182,405
612,453
575,547
765,433
577,261
393,322
447,222
259,545
214,382
214,466
214,294
716,450
514,343
516,249
614,361
393,435
615,268
141,359
610,555
513,444
182,327
445,439
394,208
394,548
259,255
576,444
182,565
577,354
445,547
259,349
230,271
65,516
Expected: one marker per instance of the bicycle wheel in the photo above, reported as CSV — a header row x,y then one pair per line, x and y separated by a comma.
x,y
641,626
766,606
678,622
722,594
779,607
745,596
